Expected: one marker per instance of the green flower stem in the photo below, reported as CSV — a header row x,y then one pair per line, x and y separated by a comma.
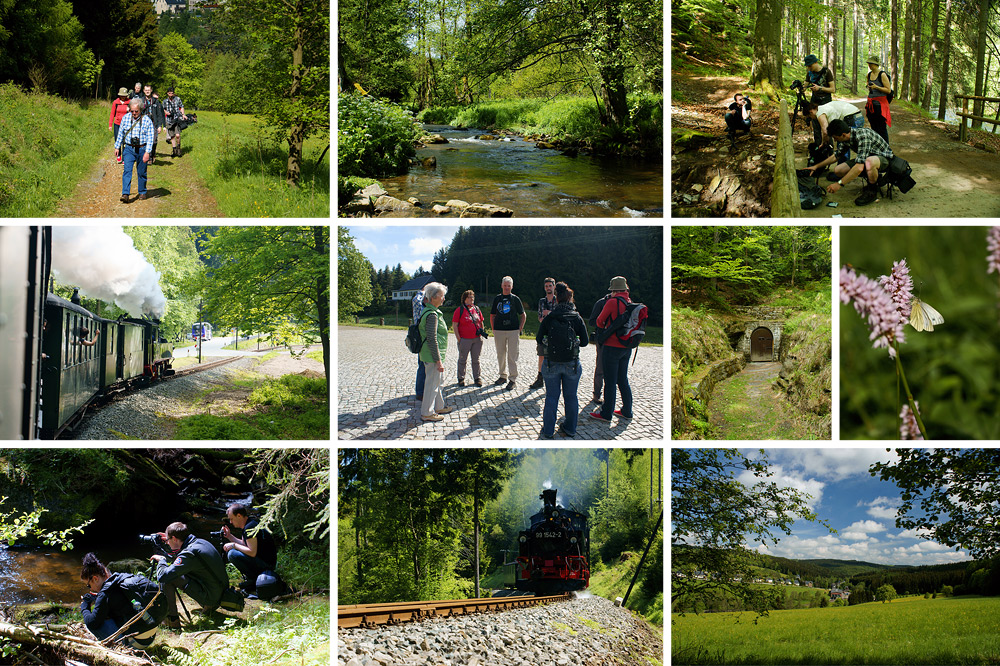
x,y
909,396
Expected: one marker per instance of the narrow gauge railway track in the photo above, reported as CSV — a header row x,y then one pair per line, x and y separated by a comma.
x,y
205,366
371,615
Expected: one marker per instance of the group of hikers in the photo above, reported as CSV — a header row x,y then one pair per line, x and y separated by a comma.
x,y
129,607
838,129
620,326
137,118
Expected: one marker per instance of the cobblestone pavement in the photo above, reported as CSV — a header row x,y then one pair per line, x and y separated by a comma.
x,y
376,400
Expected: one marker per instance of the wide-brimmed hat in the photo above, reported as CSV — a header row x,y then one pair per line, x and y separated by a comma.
x,y
123,92
872,60
810,59
618,283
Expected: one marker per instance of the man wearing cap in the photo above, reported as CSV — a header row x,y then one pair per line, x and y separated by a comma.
x,y
877,108
872,157
615,356
134,141
154,110
173,109
119,107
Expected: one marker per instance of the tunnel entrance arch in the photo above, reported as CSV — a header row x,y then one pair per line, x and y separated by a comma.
x,y
761,345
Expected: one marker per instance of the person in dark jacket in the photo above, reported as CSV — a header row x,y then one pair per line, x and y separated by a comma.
x,y
599,368
197,568
109,605
154,110
251,552
561,369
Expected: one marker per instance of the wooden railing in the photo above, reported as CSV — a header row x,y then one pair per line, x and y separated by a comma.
x,y
785,190
965,113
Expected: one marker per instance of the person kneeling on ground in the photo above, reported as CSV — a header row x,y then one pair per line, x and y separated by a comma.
x,y
561,334
872,157
115,598
250,550
738,117
197,569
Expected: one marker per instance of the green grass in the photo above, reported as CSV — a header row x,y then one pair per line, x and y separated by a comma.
x,y
246,171
913,630
613,581
47,146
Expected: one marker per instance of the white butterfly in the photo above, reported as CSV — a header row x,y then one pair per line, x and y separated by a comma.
x,y
923,317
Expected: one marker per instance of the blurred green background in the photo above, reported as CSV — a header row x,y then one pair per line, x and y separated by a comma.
x,y
954,371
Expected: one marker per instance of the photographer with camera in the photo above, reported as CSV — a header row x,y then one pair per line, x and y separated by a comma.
x,y
173,110
819,80
545,306
467,322
738,118
872,158
251,548
135,140
196,567
113,599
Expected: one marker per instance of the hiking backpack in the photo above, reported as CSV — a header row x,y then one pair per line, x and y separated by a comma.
x,y
140,591
898,176
629,326
412,341
810,193
562,344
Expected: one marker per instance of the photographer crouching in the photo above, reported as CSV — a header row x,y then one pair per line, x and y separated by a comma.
x,y
251,548
134,142
196,567
114,599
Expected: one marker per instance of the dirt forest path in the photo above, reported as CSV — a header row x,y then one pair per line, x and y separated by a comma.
x,y
953,179
173,189
746,407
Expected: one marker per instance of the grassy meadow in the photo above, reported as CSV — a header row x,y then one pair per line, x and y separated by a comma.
x,y
245,171
912,630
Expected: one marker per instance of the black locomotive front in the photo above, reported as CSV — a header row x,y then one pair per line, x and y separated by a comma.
x,y
554,553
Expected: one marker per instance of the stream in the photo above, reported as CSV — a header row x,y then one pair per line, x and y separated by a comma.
x,y
532,182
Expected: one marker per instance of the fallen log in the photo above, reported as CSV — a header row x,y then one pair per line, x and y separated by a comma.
x,y
90,652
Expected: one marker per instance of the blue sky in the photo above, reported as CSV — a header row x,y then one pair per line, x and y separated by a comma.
x,y
407,244
859,506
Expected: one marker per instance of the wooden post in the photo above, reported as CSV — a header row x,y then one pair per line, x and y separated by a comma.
x,y
785,188
965,112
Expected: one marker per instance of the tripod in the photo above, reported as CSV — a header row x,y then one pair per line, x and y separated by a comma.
x,y
800,97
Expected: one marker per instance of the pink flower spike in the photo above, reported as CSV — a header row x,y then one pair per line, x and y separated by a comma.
x,y
908,429
875,304
900,287
993,246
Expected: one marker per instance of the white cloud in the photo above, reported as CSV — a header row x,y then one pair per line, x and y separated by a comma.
x,y
784,479
834,464
868,550
919,533
425,246
859,530
411,266
365,246
882,512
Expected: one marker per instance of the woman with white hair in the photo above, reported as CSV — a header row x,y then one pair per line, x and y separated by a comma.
x,y
434,331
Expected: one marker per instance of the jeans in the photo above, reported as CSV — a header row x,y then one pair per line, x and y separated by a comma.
x,y
250,567
598,371
563,377
132,156
616,376
109,627
735,122
421,378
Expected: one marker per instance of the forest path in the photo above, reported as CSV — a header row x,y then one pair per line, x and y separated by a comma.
x,y
953,179
173,189
746,407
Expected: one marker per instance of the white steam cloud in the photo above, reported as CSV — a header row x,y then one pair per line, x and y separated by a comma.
x,y
104,264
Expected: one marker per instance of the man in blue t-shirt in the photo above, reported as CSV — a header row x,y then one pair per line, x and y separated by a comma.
x,y
507,320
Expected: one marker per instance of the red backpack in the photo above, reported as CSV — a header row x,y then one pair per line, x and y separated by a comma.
x,y
629,326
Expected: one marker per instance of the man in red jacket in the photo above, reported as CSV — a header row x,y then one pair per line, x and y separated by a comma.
x,y
614,356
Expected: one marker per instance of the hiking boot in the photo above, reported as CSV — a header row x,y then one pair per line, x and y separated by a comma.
x,y
445,410
461,382
499,382
431,417
544,435
832,177
510,385
562,431
538,383
868,195
478,382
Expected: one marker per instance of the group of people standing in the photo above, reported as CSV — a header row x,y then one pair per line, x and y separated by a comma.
x,y
136,120
841,122
561,334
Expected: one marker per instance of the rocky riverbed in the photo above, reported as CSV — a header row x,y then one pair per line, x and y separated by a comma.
x,y
588,631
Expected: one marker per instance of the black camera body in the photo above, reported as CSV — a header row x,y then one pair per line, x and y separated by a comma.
x,y
158,545
482,333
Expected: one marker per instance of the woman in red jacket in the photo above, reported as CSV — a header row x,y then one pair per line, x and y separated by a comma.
x,y
614,356
119,107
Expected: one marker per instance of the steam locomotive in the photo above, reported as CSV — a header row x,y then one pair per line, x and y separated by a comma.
x,y
554,552
57,357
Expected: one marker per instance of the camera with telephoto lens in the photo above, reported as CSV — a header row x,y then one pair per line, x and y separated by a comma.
x,y
157,543
218,533
482,333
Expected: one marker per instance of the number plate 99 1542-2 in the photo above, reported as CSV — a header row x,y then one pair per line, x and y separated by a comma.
x,y
548,535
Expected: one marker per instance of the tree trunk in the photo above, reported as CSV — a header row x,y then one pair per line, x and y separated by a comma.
x,y
894,45
918,32
766,78
91,652
831,39
843,40
323,304
299,129
854,51
943,101
932,58
357,542
904,87
984,21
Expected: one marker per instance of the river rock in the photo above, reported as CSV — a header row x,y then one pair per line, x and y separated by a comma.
x,y
386,203
486,210
697,187
486,137
440,210
374,191
433,138
415,201
429,161
543,145
714,185
735,185
457,203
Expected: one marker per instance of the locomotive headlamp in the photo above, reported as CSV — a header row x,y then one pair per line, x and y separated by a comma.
x,y
523,539
555,514
572,540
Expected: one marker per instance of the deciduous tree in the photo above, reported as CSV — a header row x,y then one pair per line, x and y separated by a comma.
x,y
354,290
885,593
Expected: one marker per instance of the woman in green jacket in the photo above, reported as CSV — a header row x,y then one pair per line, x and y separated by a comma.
x,y
434,331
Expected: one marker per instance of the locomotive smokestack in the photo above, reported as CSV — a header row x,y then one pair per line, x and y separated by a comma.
x,y
75,298
548,498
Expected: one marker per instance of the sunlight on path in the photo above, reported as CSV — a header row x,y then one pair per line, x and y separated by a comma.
x,y
746,407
